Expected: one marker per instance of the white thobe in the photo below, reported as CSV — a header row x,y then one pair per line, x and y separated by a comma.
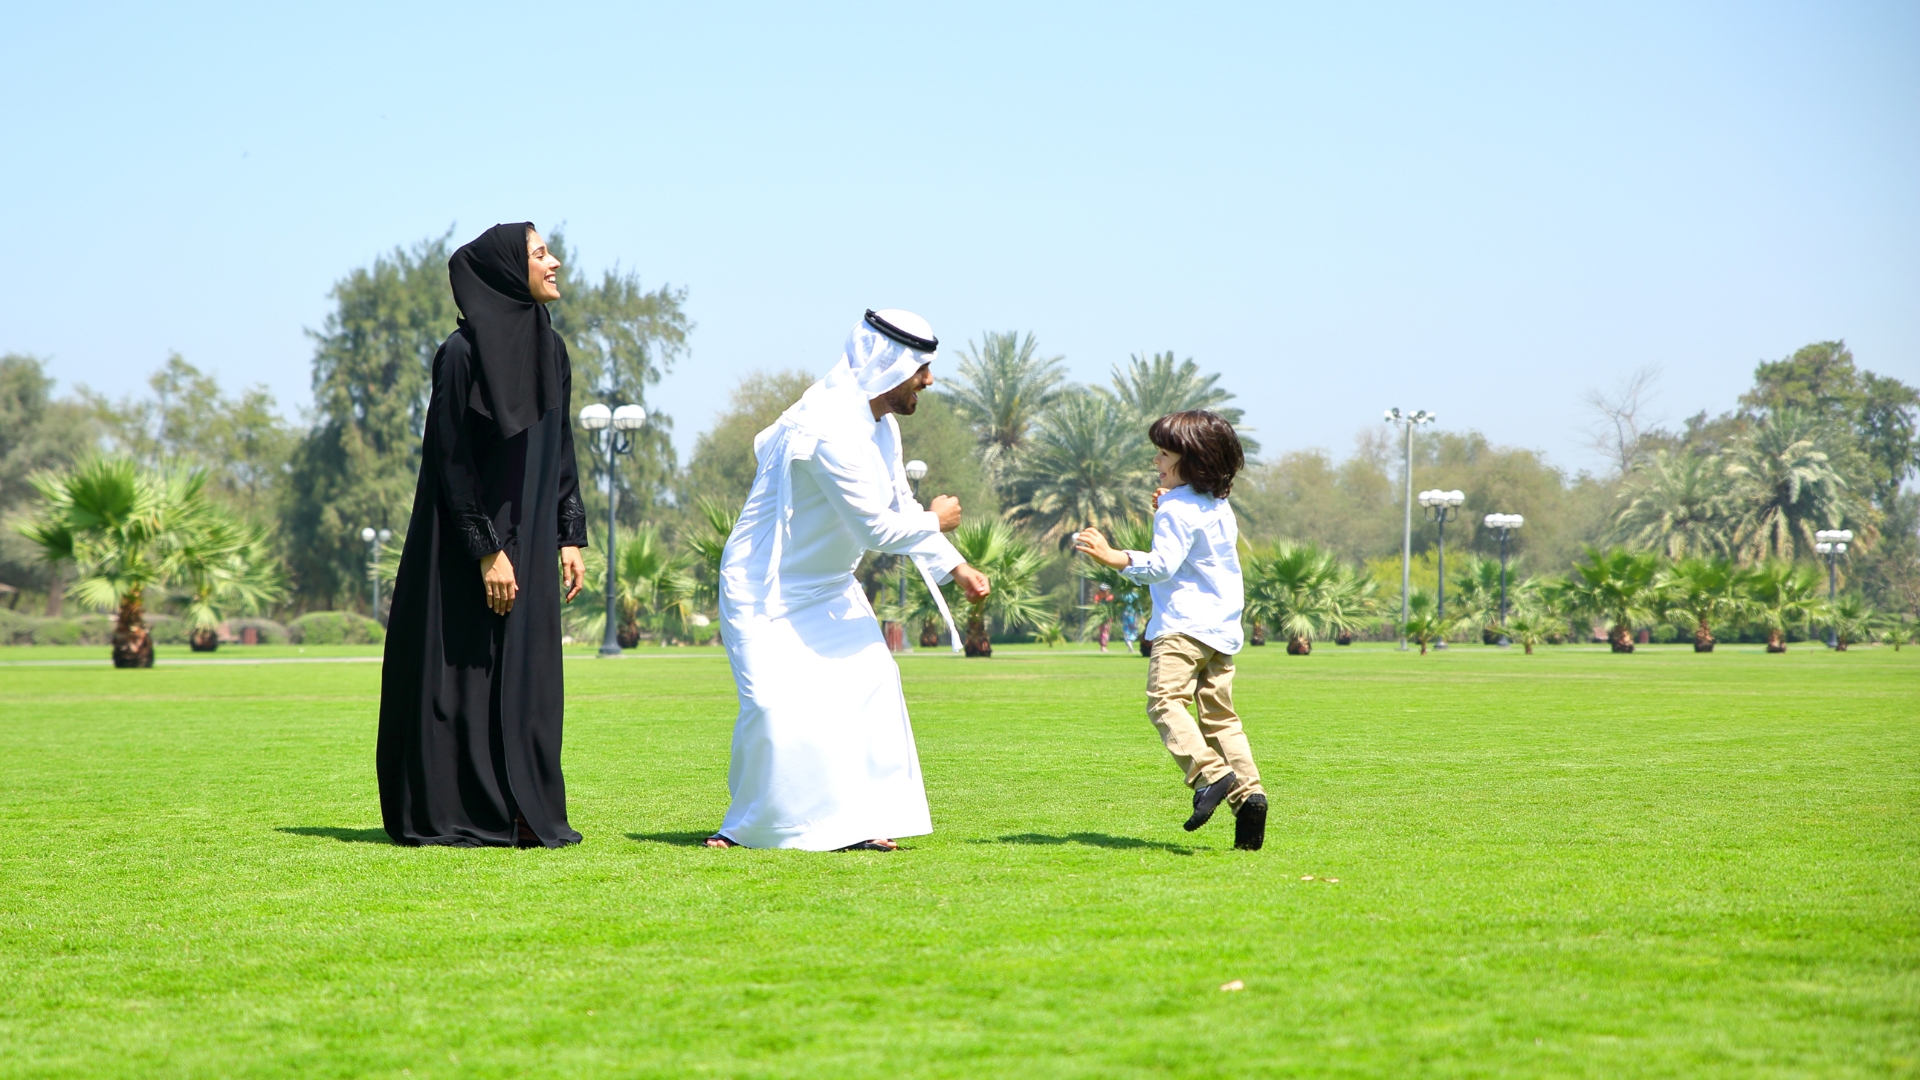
x,y
823,753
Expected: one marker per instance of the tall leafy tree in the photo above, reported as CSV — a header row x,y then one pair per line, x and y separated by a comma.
x,y
723,463
1152,386
241,442
623,339
357,466
37,433
1880,413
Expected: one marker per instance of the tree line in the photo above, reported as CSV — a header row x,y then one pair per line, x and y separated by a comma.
x,y
1816,442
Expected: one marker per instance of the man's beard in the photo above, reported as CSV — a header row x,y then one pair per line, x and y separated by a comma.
x,y
903,399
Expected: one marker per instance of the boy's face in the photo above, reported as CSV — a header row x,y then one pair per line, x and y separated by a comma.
x,y
1167,464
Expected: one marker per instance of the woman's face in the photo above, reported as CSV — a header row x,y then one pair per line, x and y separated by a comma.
x,y
543,270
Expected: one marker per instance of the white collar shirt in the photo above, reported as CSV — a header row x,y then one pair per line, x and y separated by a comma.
x,y
1193,571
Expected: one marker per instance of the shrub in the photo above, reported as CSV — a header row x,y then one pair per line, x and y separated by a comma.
x,y
168,629
335,628
15,628
1664,634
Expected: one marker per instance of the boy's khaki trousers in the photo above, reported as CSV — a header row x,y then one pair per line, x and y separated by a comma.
x,y
1180,671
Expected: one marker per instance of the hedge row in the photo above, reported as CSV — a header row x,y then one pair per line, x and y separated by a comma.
x,y
20,629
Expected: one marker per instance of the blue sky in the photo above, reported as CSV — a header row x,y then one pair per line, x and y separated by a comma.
x,y
1478,210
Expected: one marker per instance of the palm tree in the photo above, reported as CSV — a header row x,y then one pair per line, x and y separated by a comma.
x,y
1087,463
227,569
1783,597
1012,564
1303,592
1001,389
1113,593
1788,481
652,589
1851,618
1702,593
1677,504
1617,586
709,546
1476,582
1896,631
1155,386
129,533
1424,625
1529,625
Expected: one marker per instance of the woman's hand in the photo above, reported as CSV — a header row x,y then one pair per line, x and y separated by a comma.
x,y
496,571
1092,543
573,572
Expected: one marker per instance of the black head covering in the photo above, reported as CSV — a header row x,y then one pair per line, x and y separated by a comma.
x,y
517,378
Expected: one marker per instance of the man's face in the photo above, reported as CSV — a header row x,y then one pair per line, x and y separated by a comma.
x,y
905,398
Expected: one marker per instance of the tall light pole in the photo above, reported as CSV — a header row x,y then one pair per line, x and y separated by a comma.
x,y
1442,507
374,540
1408,421
1505,523
1832,543
611,428
916,472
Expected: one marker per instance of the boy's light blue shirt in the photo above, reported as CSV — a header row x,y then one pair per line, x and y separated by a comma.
x,y
1193,569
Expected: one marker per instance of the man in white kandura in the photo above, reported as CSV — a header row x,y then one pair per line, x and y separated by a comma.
x,y
823,755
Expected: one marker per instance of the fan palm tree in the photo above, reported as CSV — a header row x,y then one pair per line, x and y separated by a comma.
x,y
1157,385
130,533
1896,631
1424,624
652,589
1303,592
1782,597
227,569
1703,593
1087,463
708,547
1677,504
1476,584
1114,594
1013,565
1788,480
1529,625
1617,586
1852,619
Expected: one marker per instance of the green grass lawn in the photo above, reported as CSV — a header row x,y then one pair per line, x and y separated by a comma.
x,y
1572,864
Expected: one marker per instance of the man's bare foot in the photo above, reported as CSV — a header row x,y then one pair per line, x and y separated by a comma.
x,y
718,841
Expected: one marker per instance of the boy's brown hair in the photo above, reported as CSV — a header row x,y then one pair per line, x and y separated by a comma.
x,y
1209,449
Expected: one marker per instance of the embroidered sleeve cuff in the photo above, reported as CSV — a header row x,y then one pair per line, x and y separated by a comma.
x,y
573,522
481,539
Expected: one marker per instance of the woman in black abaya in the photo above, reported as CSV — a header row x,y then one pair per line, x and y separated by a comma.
x,y
471,695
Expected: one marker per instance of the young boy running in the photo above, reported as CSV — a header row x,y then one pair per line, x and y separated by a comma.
x,y
1194,572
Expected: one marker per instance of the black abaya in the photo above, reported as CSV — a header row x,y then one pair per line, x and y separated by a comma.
x,y
471,701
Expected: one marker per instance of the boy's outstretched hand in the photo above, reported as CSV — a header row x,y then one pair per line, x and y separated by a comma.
x,y
1093,544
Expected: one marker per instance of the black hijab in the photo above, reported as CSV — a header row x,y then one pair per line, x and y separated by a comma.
x,y
517,378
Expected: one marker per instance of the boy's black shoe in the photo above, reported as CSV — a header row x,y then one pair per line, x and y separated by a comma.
x,y
1208,799
1250,824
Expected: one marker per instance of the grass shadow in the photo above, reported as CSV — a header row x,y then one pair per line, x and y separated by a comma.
x,y
677,839
345,836
1091,839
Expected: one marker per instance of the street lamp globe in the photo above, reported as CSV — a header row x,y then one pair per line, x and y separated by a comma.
x,y
916,470
626,417
595,417
1455,497
367,534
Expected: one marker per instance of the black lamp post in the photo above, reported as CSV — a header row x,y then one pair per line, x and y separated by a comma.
x,y
1506,523
1832,543
611,433
374,540
1442,507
